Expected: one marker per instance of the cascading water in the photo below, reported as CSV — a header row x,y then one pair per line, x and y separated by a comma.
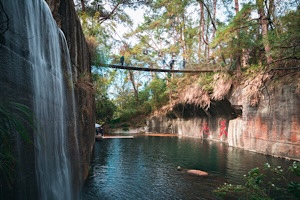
x,y
32,27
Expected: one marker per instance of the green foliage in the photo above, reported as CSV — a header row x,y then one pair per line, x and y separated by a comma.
x,y
171,27
15,118
105,107
242,37
158,92
152,96
168,28
272,183
125,127
129,108
206,81
252,70
285,39
238,35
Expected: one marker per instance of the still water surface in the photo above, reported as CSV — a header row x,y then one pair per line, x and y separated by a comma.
x,y
146,168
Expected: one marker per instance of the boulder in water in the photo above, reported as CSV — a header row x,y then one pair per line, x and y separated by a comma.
x,y
197,172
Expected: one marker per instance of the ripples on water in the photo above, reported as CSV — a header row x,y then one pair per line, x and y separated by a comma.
x,y
146,168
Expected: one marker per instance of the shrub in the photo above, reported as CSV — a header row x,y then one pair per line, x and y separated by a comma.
x,y
274,183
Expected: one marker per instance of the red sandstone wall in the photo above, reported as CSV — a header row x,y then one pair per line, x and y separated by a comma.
x,y
272,127
192,121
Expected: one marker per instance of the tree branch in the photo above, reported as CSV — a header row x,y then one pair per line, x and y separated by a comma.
x,y
286,58
111,13
212,20
289,47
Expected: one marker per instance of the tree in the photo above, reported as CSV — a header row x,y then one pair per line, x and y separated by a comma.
x,y
108,10
284,35
171,27
254,33
207,18
105,108
238,36
159,97
263,20
82,5
239,52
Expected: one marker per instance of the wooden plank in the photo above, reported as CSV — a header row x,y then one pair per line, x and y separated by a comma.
x,y
161,134
114,136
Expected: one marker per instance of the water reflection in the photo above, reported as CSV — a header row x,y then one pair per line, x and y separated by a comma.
x,y
146,168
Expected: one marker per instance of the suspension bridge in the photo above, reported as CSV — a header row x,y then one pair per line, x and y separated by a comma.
x,y
162,70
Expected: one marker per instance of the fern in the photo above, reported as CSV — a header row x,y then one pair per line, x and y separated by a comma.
x,y
15,118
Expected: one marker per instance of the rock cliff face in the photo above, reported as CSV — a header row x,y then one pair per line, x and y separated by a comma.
x,y
272,125
253,117
191,120
23,52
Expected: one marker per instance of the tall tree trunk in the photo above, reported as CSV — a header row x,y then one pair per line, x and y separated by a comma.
x,y
271,13
214,30
239,53
214,18
183,41
271,9
201,30
135,89
236,6
82,5
207,51
263,20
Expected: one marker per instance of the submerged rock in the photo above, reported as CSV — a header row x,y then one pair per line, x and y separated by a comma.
x,y
193,171
197,172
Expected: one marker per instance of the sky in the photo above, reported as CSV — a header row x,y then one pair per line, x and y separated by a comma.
x,y
136,15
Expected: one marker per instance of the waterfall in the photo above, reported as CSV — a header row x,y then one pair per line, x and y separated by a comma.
x,y
31,26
